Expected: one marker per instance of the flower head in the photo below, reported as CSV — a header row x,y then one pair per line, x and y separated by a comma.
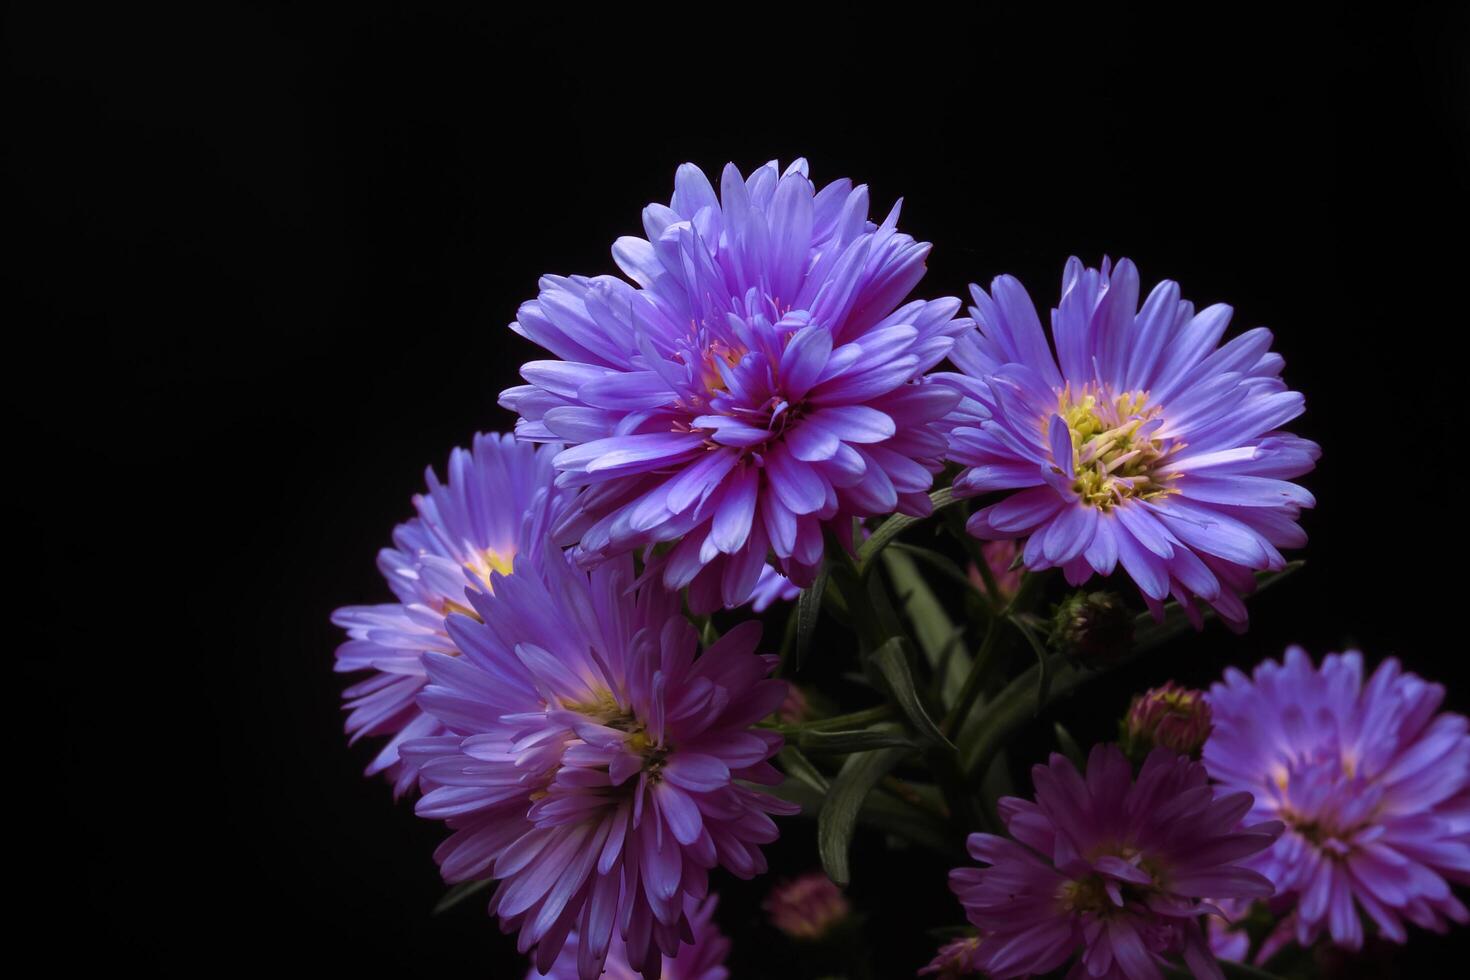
x,y
1174,717
757,384
1114,869
806,907
496,505
1372,784
1142,442
703,959
593,764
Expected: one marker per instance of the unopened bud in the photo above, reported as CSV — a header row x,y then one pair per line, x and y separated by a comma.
x,y
806,907
1093,627
1000,557
1171,717
955,959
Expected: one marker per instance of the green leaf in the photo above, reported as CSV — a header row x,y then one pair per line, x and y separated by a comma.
x,y
800,768
1069,747
940,563
808,608
895,525
460,892
892,662
862,740
839,814
933,629
1043,679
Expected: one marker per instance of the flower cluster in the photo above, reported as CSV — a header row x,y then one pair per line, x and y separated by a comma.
x,y
738,414
756,385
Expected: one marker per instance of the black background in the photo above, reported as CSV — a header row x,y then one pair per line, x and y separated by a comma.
x,y
265,263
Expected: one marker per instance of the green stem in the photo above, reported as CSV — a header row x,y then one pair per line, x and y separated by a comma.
x,y
985,660
855,719
1015,705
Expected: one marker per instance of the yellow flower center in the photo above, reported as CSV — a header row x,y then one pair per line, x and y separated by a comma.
x,y
1115,455
481,565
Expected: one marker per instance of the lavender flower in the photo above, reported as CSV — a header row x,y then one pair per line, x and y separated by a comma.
x,y
703,959
758,384
496,504
1110,868
592,763
806,907
1141,443
1372,784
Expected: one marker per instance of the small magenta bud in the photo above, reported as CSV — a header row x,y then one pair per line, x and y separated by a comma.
x,y
999,557
1093,627
955,959
807,907
794,708
1172,717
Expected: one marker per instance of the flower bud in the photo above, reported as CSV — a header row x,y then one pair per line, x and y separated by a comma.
x,y
955,959
1093,627
806,907
794,708
1172,717
999,557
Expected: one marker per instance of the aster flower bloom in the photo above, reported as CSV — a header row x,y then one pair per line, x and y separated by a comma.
x,y
1114,869
956,958
703,959
593,764
1142,442
1372,784
806,907
1172,716
496,504
758,384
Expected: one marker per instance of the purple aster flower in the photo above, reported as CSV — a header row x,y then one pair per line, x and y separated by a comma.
x,y
703,959
593,764
495,505
1114,869
1142,442
1372,784
758,382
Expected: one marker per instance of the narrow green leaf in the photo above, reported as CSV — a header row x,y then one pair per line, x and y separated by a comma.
x,y
1043,679
843,743
460,892
808,608
1068,746
800,768
839,814
895,525
933,629
892,662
